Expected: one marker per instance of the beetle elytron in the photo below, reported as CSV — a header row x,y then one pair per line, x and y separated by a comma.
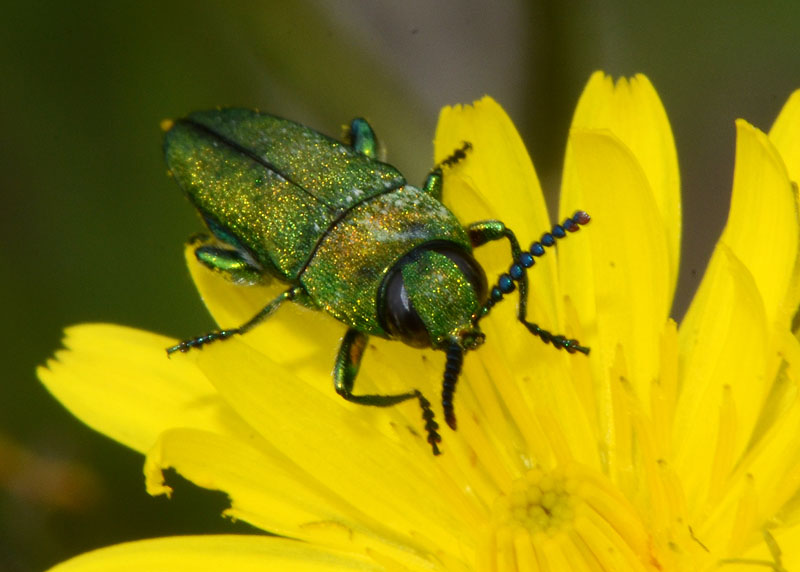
x,y
348,236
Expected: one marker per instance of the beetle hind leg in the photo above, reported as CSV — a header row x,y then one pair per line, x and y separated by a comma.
x,y
265,313
344,374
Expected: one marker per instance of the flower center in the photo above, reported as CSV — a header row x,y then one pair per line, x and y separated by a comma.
x,y
563,519
539,501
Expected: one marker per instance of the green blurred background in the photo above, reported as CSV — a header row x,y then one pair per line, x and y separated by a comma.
x,y
92,229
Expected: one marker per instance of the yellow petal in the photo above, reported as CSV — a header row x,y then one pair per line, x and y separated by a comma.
x,y
772,456
741,306
723,349
120,382
761,506
293,335
785,135
616,272
633,112
374,455
497,180
778,551
498,167
763,226
214,553
252,474
761,236
271,492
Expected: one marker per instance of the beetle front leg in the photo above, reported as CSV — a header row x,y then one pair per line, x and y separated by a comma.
x,y
486,231
433,182
265,313
344,375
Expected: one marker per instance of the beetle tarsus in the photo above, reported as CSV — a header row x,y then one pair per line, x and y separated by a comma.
x,y
201,341
431,426
559,342
458,155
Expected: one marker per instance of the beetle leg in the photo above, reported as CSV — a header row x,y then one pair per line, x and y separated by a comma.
x,y
362,138
265,313
433,182
344,375
230,264
230,260
485,231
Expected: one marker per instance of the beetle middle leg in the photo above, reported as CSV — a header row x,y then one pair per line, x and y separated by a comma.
x,y
486,231
225,256
344,375
265,313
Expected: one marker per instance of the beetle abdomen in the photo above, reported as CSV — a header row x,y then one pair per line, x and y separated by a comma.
x,y
256,177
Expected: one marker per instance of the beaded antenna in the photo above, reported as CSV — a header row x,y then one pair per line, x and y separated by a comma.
x,y
506,284
516,273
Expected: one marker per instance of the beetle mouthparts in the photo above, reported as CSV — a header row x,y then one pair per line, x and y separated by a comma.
x,y
470,339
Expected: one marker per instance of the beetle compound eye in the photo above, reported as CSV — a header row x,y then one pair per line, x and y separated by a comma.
x,y
401,319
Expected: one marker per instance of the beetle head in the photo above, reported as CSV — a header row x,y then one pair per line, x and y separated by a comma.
x,y
429,300
430,296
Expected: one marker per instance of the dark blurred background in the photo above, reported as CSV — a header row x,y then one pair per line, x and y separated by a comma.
x,y
92,229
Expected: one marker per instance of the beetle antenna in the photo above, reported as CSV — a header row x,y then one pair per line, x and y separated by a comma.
x,y
507,281
457,156
452,369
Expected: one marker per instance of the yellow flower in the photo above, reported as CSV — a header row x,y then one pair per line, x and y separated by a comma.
x,y
668,448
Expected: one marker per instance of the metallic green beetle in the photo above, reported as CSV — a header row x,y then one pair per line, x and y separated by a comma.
x,y
349,236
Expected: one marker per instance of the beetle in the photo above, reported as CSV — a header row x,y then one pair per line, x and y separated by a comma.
x,y
349,236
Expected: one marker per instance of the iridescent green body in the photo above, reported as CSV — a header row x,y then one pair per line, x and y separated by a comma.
x,y
308,209
347,271
272,184
346,234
